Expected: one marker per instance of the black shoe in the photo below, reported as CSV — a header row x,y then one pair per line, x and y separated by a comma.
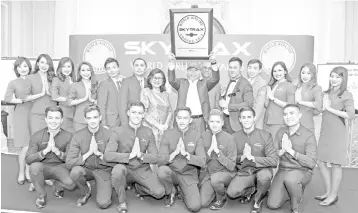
x,y
257,207
219,204
137,194
320,198
170,199
59,194
296,211
40,203
84,198
247,199
122,208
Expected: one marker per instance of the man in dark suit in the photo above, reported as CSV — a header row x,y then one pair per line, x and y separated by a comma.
x,y
238,95
193,91
108,94
215,93
131,88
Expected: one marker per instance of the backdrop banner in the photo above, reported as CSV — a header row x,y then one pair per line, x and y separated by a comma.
x,y
294,50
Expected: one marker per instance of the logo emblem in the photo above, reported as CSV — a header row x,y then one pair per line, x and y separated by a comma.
x,y
278,50
96,52
191,144
191,29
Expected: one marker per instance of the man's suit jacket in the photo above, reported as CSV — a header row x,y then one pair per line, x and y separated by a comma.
x,y
241,97
130,91
214,97
109,103
204,86
259,91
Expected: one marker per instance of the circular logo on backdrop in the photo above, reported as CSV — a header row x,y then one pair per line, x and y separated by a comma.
x,y
191,29
278,50
96,52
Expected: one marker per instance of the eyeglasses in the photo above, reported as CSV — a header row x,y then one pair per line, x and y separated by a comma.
x,y
157,78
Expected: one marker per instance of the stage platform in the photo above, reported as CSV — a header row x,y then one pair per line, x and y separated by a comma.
x,y
17,198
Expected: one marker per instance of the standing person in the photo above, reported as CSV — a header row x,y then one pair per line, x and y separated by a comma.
x,y
280,92
309,95
109,94
221,159
60,89
82,94
238,95
85,159
259,85
47,154
132,86
133,148
18,92
193,91
214,93
181,152
297,150
40,82
338,105
257,155
159,112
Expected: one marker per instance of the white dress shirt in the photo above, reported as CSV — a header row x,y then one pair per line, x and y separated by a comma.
x,y
141,81
115,80
193,100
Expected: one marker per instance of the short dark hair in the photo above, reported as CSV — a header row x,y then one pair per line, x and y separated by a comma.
x,y
139,59
151,75
135,103
92,108
292,105
236,59
255,61
110,60
216,112
183,108
247,109
53,109
18,62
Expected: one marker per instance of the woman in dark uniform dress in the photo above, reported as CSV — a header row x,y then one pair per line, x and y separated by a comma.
x,y
82,94
18,92
280,92
309,95
60,89
338,105
41,84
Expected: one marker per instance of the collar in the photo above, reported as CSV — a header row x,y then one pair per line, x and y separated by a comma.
x,y
218,133
48,131
252,132
98,130
297,132
139,78
183,133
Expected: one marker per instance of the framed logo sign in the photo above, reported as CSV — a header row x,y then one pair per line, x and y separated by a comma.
x,y
191,33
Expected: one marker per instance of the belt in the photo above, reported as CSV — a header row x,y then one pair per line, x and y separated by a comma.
x,y
196,116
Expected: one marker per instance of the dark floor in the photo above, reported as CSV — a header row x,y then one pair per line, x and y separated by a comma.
x,y
16,197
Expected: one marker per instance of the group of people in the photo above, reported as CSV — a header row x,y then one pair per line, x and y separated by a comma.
x,y
219,142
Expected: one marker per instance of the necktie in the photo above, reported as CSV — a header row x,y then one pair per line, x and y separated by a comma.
x,y
141,83
118,85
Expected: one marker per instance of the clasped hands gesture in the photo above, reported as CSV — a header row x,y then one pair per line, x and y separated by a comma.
x,y
247,153
286,146
51,147
213,148
180,149
326,102
136,150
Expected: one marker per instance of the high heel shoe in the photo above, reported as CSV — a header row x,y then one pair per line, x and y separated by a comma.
x,y
329,204
320,198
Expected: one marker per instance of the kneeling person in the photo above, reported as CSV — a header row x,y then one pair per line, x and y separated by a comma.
x,y
221,160
132,146
46,156
85,159
181,151
297,152
257,155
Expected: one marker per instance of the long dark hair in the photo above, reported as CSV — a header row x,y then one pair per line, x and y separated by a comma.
x,y
62,62
343,73
287,76
312,68
51,69
151,75
94,83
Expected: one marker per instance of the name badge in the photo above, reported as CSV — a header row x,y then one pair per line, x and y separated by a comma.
x,y
143,140
191,144
258,144
221,146
45,142
100,142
